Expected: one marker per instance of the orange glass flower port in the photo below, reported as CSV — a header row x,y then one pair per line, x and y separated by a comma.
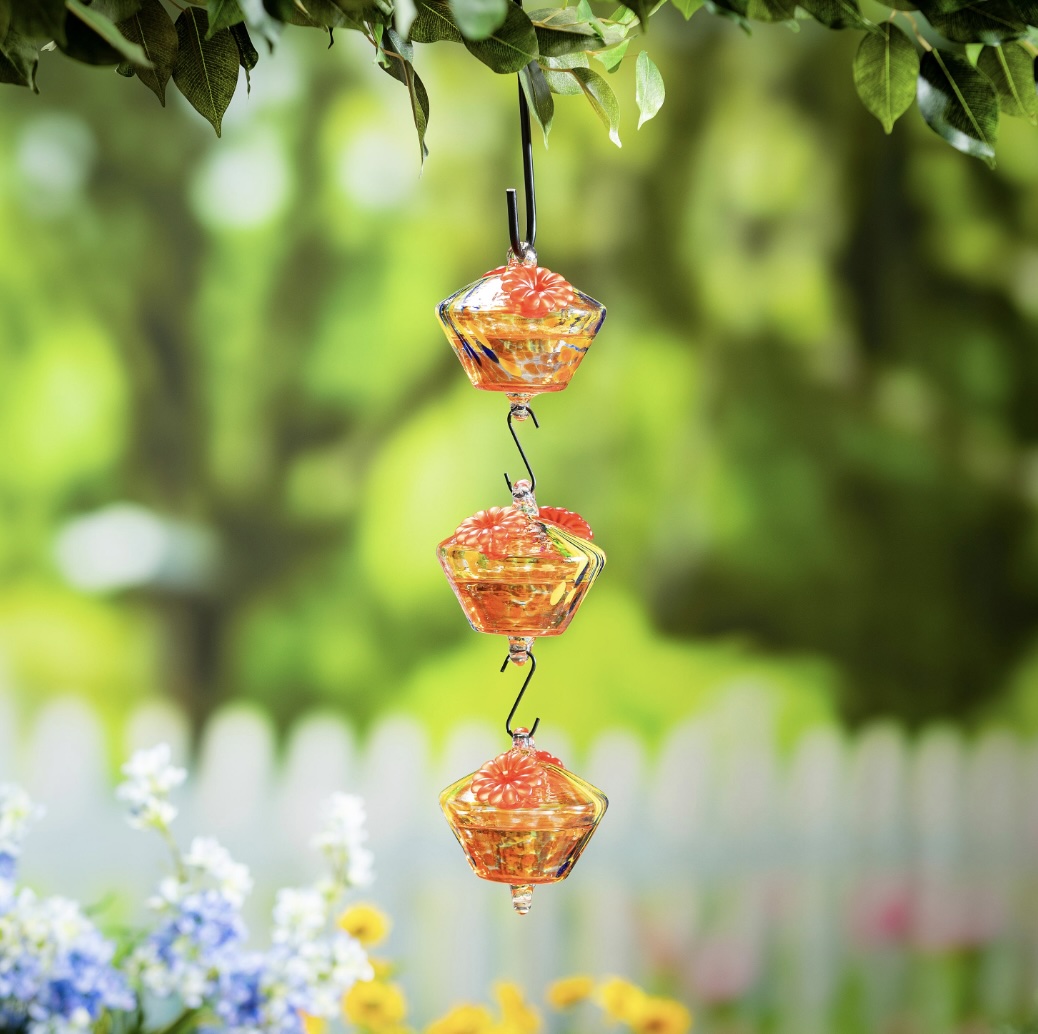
x,y
534,290
566,519
511,780
521,574
520,329
522,820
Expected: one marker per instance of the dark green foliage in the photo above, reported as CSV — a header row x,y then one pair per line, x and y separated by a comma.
x,y
206,71
152,29
508,39
223,14
94,38
834,14
959,103
772,10
19,58
42,20
986,21
1011,69
510,47
538,96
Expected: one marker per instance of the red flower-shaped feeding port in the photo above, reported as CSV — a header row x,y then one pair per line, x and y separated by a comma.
x,y
511,780
566,519
492,531
547,758
535,290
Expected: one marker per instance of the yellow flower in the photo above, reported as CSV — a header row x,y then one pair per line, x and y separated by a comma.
x,y
661,1016
374,1005
516,1016
313,1024
569,991
620,999
463,1019
365,922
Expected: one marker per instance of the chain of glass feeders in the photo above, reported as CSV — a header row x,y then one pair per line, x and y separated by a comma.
x,y
521,570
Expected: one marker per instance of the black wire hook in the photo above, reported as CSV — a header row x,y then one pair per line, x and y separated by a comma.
x,y
526,682
519,246
522,451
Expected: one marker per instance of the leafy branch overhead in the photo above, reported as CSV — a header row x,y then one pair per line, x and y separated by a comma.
x,y
963,62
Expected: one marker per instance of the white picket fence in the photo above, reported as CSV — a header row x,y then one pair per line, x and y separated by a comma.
x,y
740,872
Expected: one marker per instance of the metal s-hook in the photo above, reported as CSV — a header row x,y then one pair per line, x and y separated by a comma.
x,y
519,245
518,699
519,446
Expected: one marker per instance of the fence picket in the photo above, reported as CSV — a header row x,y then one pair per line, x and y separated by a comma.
x,y
721,860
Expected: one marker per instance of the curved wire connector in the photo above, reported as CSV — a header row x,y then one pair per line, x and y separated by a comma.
x,y
518,699
522,451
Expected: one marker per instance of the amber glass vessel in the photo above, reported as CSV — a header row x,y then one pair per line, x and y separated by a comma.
x,y
520,329
522,819
521,570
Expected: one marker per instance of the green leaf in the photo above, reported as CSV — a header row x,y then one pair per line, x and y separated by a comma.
x,y
434,22
223,14
565,61
538,97
248,56
648,88
984,21
835,14
642,8
477,19
314,14
582,13
95,39
206,70
398,54
41,20
1011,69
5,18
611,58
509,48
959,104
886,69
565,30
153,30
19,59
565,21
553,43
602,99
557,74
772,10
687,7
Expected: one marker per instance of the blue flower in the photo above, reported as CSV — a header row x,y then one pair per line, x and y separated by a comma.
x,y
241,999
55,971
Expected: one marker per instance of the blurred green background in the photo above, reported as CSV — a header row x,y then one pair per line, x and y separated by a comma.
x,y
806,436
